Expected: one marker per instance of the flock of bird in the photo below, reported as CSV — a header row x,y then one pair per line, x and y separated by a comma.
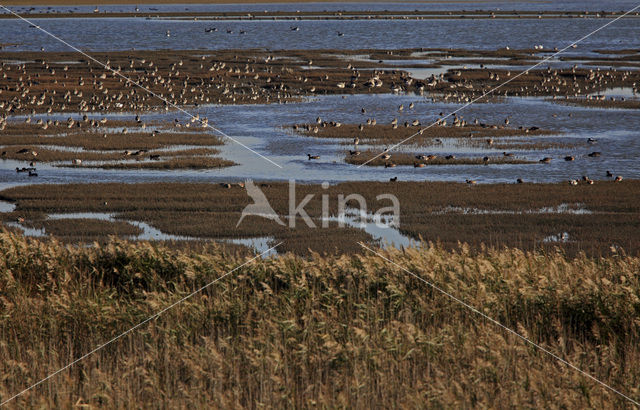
x,y
190,80
385,155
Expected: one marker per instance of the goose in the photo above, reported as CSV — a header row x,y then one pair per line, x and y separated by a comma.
x,y
519,181
594,154
569,158
471,181
418,165
545,160
573,182
385,156
389,165
618,178
354,153
394,179
609,174
313,157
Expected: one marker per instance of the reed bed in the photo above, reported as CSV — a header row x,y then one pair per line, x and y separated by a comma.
x,y
335,331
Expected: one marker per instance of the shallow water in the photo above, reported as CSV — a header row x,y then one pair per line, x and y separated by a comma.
x,y
140,33
381,228
260,127
149,233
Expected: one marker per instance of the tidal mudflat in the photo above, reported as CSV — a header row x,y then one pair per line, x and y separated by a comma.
x,y
312,191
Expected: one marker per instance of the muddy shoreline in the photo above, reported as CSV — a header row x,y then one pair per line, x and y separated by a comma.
x,y
333,15
591,218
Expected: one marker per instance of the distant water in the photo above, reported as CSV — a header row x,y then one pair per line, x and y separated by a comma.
x,y
260,127
535,5
103,34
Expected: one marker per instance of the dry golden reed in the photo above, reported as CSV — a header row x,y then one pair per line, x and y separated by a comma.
x,y
326,331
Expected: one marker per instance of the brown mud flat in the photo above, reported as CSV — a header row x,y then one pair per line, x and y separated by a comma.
x,y
83,229
466,84
169,164
421,134
411,159
46,82
599,103
597,219
71,144
76,158
324,15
